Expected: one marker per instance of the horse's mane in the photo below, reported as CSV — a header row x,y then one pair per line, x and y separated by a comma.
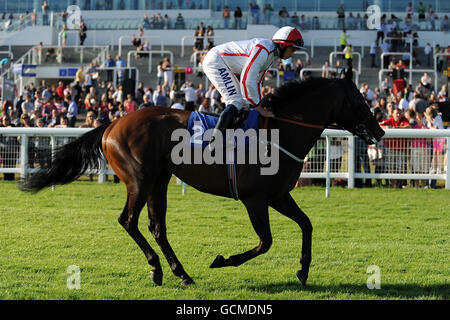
x,y
293,89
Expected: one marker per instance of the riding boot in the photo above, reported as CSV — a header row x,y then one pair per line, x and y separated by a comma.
x,y
226,117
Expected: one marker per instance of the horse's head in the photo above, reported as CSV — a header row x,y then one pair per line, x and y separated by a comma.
x,y
354,115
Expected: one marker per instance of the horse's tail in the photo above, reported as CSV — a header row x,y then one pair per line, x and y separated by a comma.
x,y
69,162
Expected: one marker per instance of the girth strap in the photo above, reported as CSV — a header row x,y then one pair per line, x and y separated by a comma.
x,y
231,170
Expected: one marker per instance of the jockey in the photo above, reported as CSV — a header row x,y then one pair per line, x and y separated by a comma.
x,y
249,61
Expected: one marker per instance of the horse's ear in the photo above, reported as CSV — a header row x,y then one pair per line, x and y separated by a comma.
x,y
349,73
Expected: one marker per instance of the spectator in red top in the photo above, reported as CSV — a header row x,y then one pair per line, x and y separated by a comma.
x,y
401,64
47,110
129,104
395,148
60,89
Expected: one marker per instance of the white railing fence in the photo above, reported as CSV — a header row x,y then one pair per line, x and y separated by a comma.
x,y
204,38
148,55
23,149
341,53
389,54
302,53
411,154
381,73
335,43
161,42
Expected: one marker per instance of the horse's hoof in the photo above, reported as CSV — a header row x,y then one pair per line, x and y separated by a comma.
x,y
218,262
157,277
302,276
187,282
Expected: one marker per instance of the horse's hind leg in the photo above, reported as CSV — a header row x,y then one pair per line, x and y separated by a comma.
x,y
258,212
287,207
129,220
157,207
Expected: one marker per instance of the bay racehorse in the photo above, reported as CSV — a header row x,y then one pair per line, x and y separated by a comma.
x,y
138,148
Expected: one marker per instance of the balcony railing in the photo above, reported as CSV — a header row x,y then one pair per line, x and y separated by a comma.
x,y
218,5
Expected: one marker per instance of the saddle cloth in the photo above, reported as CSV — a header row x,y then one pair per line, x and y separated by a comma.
x,y
200,122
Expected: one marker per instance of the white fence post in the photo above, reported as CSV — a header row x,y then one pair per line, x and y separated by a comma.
x,y
351,162
328,169
53,143
102,173
447,176
23,156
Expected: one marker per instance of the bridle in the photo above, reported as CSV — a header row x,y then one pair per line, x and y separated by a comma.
x,y
359,130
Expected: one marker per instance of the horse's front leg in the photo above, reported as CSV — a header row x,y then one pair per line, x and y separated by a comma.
x,y
258,212
289,208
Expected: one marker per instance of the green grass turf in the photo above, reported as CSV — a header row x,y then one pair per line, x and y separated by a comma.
x,y
404,232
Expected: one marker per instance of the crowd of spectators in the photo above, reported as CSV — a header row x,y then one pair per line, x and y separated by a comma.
x,y
93,99
391,155
237,15
344,20
88,104
159,22
415,107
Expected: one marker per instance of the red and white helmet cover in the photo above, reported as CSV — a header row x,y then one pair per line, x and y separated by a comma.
x,y
289,36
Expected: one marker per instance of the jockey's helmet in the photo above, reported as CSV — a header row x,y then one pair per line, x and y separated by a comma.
x,y
289,36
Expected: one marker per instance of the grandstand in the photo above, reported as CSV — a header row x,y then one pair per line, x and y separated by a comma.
x,y
24,25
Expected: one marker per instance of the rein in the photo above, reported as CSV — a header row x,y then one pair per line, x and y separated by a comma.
x,y
289,154
297,123
308,125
